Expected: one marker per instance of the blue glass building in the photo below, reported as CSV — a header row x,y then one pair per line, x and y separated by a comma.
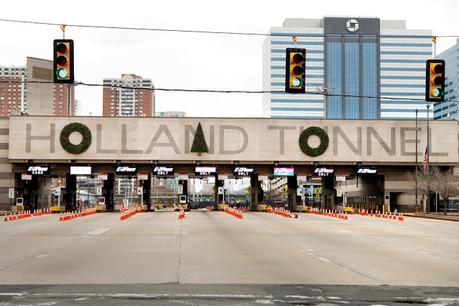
x,y
449,109
369,68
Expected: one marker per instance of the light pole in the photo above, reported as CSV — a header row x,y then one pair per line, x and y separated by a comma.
x,y
416,169
428,162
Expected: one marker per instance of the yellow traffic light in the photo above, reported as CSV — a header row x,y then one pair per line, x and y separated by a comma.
x,y
63,61
435,80
295,70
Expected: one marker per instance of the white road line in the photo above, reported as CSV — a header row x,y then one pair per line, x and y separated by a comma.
x,y
303,297
41,256
99,231
12,293
323,259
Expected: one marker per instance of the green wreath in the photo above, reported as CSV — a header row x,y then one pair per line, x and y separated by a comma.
x,y
303,141
83,145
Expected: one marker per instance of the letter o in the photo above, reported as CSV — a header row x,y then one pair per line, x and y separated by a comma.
x,y
65,138
303,141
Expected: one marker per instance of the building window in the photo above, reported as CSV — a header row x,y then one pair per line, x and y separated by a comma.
x,y
351,80
334,80
370,80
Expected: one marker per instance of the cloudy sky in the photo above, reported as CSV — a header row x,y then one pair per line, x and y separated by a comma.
x,y
178,60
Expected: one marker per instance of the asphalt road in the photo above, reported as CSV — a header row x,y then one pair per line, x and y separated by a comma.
x,y
213,257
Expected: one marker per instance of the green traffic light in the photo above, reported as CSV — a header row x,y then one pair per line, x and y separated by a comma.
x,y
297,82
61,73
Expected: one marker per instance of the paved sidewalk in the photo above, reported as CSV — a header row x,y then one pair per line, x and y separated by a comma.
x,y
438,216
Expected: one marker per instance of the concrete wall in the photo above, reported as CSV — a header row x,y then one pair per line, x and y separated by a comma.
x,y
40,97
6,175
244,139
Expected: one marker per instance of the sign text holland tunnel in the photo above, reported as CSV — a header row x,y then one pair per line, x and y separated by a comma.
x,y
228,139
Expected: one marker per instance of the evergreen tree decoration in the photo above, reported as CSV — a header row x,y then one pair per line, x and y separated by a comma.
x,y
199,142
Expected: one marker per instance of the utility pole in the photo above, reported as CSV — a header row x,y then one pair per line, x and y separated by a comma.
x,y
416,169
62,27
428,162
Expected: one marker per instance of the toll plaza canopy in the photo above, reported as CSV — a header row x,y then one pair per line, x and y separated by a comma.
x,y
389,142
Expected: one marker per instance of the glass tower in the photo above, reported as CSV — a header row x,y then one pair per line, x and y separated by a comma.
x,y
352,70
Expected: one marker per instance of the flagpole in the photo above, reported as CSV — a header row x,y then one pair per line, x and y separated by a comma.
x,y
428,162
416,169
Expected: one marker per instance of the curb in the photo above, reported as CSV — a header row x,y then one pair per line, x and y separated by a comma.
x,y
432,217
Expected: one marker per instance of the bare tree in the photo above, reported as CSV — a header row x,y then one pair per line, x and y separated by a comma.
x,y
441,182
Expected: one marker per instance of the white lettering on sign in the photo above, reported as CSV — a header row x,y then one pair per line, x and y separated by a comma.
x,y
324,171
125,169
243,171
162,170
367,171
205,170
37,169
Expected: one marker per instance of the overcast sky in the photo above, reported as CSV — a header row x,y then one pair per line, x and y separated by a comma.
x,y
176,60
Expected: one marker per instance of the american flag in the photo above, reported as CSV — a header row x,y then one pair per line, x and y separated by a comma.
x,y
425,162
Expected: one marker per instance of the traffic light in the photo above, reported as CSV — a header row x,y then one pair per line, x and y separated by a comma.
x,y
435,80
63,61
295,72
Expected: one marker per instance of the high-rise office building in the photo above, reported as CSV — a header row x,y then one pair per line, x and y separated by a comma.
x,y
356,68
13,89
30,90
449,108
129,96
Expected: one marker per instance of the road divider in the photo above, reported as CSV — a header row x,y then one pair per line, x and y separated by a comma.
x,y
77,214
382,215
129,213
41,212
17,216
234,212
328,213
281,212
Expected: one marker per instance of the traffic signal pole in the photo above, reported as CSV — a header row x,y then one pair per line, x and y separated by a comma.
x,y
68,66
68,85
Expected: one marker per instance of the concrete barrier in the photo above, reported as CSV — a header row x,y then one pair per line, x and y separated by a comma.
x,y
234,212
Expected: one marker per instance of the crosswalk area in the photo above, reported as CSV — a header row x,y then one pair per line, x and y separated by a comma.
x,y
220,247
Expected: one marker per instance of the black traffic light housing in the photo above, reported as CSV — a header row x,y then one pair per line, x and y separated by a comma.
x,y
63,61
295,70
435,80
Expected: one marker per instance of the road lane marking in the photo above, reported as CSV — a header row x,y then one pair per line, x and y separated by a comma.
x,y
41,256
12,293
264,302
323,259
99,231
